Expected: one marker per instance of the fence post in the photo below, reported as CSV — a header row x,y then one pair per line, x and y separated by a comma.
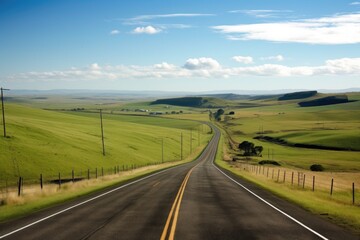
x,y
331,188
19,186
353,193
313,188
278,175
267,173
59,180
41,181
304,181
272,176
284,176
292,178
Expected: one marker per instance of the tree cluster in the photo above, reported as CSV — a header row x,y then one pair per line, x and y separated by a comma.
x,y
250,149
218,113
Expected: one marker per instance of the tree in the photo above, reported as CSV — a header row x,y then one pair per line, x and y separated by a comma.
x,y
250,149
247,147
218,114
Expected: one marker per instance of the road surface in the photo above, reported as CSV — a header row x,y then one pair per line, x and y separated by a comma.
x,y
192,201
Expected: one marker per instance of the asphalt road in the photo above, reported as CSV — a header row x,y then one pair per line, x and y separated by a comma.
x,y
192,201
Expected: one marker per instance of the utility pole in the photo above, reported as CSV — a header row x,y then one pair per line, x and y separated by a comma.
x,y
181,147
198,136
102,132
162,150
190,141
3,109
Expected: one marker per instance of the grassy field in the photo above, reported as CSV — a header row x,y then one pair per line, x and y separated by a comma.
x,y
329,126
50,142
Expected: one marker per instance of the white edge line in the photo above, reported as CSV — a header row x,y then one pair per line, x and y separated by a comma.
x,y
79,204
269,204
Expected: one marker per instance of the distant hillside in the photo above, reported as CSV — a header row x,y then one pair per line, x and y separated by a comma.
x,y
325,101
297,95
228,96
193,102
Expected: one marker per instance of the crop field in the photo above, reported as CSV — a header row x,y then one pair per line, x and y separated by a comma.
x,y
48,142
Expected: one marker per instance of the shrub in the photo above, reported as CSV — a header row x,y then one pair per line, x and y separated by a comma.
x,y
269,162
316,168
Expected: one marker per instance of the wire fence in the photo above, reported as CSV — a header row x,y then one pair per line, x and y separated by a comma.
x,y
340,187
24,186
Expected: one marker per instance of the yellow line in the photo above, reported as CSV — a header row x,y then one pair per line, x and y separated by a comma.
x,y
173,227
176,205
154,185
163,235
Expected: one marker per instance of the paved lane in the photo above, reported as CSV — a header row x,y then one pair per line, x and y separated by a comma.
x,y
192,201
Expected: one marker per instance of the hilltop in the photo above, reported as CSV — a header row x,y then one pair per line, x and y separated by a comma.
x,y
198,102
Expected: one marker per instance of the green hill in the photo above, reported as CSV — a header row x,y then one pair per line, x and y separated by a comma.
x,y
50,142
297,95
199,102
330,100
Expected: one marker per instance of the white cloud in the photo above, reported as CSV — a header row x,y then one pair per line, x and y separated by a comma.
x,y
243,59
193,68
142,18
201,63
263,13
114,32
337,29
355,3
278,58
146,30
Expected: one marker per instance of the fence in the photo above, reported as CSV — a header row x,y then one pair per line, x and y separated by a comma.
x,y
339,187
24,186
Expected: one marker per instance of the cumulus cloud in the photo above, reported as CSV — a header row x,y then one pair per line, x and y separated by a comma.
x,y
337,29
278,58
193,68
147,30
243,59
114,32
201,63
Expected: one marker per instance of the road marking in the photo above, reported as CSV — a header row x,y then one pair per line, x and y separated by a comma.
x,y
81,203
157,183
272,206
175,208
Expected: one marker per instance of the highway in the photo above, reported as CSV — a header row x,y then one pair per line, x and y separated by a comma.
x,y
192,201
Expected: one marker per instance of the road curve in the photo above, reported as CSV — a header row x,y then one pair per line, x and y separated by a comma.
x,y
192,201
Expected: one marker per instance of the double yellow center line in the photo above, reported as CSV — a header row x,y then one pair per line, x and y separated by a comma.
x,y
174,212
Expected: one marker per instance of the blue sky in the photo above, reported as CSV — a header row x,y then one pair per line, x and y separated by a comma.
x,y
179,45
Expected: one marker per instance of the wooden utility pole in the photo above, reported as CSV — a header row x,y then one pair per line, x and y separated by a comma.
x,y
162,150
102,132
181,147
190,141
3,109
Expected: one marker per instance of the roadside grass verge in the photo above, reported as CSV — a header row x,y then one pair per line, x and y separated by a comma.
x,y
318,202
